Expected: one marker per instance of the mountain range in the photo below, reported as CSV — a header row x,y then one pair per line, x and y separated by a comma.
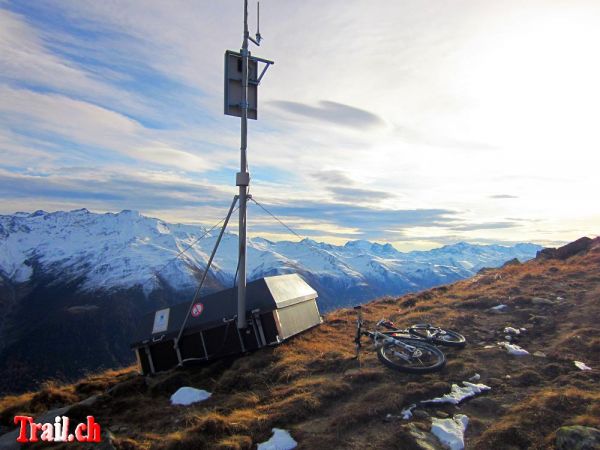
x,y
77,282
107,252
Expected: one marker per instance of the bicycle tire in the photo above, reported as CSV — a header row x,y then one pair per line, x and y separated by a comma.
x,y
448,338
432,360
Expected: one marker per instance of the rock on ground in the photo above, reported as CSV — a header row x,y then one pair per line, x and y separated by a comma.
x,y
577,438
424,440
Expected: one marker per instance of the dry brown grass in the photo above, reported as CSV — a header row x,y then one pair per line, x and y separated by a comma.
x,y
532,422
313,387
53,395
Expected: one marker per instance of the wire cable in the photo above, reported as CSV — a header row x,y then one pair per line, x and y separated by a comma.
x,y
157,272
277,219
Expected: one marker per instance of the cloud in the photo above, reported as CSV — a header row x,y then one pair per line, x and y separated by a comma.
x,y
69,79
68,117
501,196
98,129
450,229
26,59
348,194
450,239
264,225
23,152
168,194
110,190
485,226
344,188
335,177
333,112
371,221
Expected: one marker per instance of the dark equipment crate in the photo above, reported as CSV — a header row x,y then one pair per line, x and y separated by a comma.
x,y
278,308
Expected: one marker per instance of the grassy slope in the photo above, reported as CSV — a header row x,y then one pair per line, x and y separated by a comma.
x,y
312,386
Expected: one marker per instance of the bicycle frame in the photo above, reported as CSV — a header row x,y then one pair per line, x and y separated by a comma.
x,y
432,331
380,339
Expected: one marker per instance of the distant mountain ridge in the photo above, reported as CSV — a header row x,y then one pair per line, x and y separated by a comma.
x,y
128,250
73,285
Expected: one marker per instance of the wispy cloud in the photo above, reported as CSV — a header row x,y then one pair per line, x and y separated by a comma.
x,y
485,226
333,113
503,196
85,124
345,189
370,220
112,190
349,194
25,59
332,177
152,192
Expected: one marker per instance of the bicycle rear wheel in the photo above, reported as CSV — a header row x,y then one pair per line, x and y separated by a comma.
x,y
416,357
438,335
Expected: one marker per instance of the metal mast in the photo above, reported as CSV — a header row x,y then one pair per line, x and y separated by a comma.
x,y
241,100
243,178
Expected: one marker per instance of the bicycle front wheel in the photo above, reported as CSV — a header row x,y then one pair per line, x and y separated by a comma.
x,y
415,356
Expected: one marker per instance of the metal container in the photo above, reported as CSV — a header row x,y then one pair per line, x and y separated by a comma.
x,y
278,308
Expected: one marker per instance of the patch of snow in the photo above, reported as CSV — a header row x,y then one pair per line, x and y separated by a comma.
x,y
408,412
499,308
475,377
22,274
513,349
450,432
458,394
281,440
187,395
582,366
511,330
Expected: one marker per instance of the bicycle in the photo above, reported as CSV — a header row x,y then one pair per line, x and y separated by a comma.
x,y
426,331
403,353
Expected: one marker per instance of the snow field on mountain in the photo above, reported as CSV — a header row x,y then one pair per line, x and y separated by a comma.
x,y
127,249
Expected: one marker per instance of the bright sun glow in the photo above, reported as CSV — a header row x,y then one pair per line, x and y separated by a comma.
x,y
534,83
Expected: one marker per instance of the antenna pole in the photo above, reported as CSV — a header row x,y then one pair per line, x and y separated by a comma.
x,y
243,178
258,36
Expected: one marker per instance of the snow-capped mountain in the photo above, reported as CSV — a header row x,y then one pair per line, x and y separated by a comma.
x,y
73,285
126,250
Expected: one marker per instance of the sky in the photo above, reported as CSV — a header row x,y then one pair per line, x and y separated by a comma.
x,y
410,122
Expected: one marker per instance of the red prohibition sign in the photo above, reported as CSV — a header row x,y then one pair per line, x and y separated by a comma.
x,y
197,309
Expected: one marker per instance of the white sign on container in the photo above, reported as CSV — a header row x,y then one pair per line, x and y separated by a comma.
x,y
161,321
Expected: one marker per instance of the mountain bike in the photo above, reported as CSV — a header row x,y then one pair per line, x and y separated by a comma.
x,y
426,331
400,352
